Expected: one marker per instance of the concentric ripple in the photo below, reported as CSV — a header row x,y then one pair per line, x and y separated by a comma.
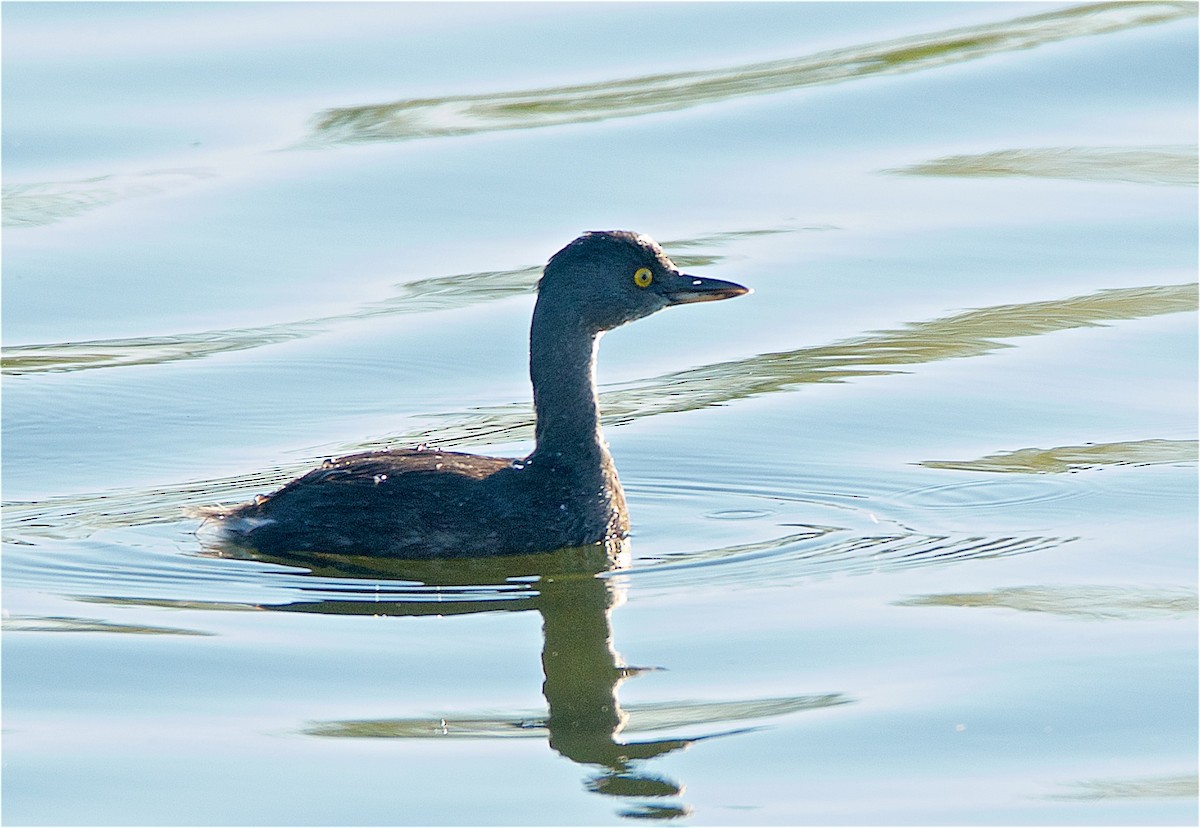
x,y
992,493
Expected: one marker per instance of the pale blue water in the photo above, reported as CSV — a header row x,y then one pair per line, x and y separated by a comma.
x,y
914,524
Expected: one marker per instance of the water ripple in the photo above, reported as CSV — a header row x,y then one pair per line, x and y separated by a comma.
x,y
36,204
1137,165
797,557
41,203
990,494
469,114
38,623
646,717
1093,602
1076,458
1181,785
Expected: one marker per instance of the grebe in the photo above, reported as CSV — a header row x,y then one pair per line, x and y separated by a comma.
x,y
428,503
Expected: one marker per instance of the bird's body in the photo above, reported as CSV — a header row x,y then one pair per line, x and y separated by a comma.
x,y
409,503
427,503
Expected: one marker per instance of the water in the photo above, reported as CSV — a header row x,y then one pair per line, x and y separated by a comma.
x,y
914,524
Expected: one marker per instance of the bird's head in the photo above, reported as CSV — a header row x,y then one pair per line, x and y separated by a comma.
x,y
613,277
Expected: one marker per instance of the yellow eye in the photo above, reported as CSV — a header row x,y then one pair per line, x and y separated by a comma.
x,y
642,277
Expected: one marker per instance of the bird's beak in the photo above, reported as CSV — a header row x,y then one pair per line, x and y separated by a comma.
x,y
687,289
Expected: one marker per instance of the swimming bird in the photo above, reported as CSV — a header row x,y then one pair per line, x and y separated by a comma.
x,y
429,503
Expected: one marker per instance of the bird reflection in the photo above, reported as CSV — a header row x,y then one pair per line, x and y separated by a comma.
x,y
582,673
581,668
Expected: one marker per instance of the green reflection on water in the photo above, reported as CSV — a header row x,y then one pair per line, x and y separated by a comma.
x,y
1075,458
1184,785
655,811
37,623
35,204
468,114
1090,602
1139,165
640,718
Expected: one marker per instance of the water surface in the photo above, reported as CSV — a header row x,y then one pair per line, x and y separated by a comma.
x,y
914,523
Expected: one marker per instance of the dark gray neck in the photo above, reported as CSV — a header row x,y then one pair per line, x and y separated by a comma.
x,y
562,366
